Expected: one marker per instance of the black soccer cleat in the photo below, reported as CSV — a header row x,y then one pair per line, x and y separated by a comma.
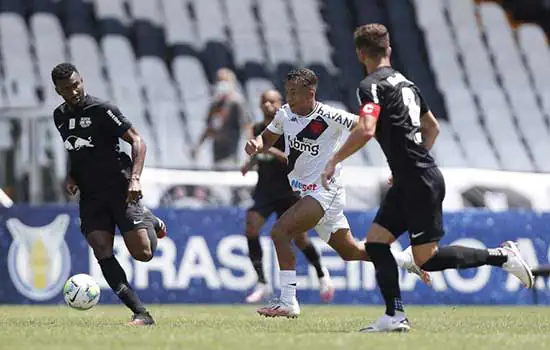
x,y
142,319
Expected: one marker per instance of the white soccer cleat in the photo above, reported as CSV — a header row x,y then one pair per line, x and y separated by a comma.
x,y
516,265
411,267
398,324
280,308
326,287
260,293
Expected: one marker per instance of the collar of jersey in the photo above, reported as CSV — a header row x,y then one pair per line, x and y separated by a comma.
x,y
310,113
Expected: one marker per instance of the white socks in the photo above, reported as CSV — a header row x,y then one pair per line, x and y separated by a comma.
x,y
402,258
287,279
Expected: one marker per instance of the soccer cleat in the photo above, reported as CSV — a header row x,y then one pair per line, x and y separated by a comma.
x,y
411,267
326,288
398,324
280,308
161,233
142,319
260,292
516,265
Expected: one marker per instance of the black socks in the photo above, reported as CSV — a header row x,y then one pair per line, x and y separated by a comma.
x,y
255,253
387,275
314,259
117,280
459,257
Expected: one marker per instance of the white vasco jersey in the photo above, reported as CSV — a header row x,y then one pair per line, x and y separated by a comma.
x,y
310,141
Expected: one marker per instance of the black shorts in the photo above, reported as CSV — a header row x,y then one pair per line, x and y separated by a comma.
x,y
279,206
106,212
415,206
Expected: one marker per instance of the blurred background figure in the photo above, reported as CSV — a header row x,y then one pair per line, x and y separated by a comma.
x,y
227,119
187,73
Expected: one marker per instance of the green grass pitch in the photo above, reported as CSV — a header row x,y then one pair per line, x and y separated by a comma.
x,y
206,327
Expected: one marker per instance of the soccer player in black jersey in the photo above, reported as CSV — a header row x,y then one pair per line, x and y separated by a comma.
x,y
393,110
108,182
273,194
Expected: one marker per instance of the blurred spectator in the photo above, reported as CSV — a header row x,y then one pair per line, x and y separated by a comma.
x,y
228,115
188,196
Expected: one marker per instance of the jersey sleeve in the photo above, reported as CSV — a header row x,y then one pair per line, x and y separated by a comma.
x,y
115,122
424,108
342,119
369,103
277,124
56,120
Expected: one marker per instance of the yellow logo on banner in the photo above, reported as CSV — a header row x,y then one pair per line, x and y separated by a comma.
x,y
38,259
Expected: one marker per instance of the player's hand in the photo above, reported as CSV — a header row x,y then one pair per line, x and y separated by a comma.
x,y
328,173
70,186
246,168
390,181
134,191
252,147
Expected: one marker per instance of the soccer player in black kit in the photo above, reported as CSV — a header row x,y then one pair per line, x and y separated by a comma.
x,y
273,194
108,182
393,110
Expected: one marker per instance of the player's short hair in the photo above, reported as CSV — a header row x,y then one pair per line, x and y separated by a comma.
x,y
303,76
373,39
63,71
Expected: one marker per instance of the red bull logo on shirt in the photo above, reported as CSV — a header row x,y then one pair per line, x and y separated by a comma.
x,y
75,143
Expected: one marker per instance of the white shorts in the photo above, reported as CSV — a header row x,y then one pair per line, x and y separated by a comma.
x,y
333,203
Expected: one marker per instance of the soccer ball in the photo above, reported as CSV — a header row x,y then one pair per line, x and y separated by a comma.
x,y
81,292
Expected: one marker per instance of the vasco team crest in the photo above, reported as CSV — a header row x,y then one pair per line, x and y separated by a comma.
x,y
38,258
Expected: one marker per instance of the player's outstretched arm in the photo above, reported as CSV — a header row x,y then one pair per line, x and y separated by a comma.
x,y
248,165
70,184
360,135
429,127
261,143
138,158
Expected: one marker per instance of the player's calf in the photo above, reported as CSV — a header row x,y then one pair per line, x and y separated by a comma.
x,y
141,243
262,290
343,242
282,238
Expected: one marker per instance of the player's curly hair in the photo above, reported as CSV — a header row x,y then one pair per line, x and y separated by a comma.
x,y
303,76
63,71
373,39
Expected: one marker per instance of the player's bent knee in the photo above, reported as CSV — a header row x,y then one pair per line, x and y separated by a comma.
x,y
279,231
101,254
102,250
143,255
379,234
423,253
301,241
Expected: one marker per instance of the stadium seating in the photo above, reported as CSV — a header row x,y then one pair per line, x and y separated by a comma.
x,y
488,81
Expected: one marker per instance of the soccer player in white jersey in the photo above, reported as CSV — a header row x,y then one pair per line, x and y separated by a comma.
x,y
313,132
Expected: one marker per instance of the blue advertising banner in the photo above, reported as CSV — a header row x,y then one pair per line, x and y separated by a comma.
x,y
204,259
